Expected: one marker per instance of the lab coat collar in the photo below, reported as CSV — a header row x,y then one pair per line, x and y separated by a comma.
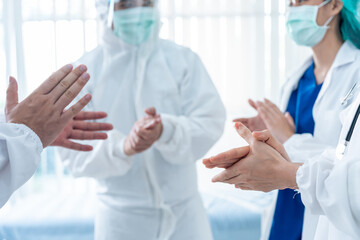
x,y
347,54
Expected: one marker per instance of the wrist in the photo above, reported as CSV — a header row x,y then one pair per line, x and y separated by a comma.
x,y
287,175
161,129
128,150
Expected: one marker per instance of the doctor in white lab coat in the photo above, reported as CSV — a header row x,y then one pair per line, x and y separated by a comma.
x,y
41,120
329,183
337,69
148,191
341,78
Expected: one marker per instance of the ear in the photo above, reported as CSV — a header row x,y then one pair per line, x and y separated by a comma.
x,y
336,7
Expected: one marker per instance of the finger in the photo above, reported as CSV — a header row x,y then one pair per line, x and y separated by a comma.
x,y
243,187
92,126
70,94
74,110
235,180
225,175
244,132
229,157
252,104
273,106
76,146
84,135
224,165
244,121
90,115
152,124
68,81
54,79
290,120
265,113
151,111
144,134
268,138
12,98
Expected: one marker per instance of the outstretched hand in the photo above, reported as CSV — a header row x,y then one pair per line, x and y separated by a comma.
x,y
80,129
44,110
270,117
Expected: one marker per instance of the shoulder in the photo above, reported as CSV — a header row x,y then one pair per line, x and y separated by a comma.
x,y
91,58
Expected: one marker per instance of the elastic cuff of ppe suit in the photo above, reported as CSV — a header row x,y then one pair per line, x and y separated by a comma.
x,y
120,140
168,129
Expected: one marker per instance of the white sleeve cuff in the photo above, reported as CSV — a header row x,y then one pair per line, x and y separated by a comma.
x,y
168,129
119,150
32,134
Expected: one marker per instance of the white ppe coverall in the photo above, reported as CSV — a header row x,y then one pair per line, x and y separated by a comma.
x,y
341,78
152,195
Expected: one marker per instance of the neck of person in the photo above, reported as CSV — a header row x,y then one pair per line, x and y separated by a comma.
x,y
325,52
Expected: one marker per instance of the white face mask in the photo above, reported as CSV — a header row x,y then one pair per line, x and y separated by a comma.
x,y
302,27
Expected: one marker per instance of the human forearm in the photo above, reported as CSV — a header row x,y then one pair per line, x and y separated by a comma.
x,y
19,157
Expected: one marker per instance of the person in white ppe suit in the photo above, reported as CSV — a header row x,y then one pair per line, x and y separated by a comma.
x,y
146,169
329,183
41,120
313,97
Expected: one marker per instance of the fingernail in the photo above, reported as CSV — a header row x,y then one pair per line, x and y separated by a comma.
x,y
88,97
83,68
85,76
237,125
68,67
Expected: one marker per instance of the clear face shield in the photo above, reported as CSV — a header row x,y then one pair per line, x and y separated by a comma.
x,y
133,21
126,4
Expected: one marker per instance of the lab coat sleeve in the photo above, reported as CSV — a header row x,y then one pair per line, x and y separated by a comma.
x,y
107,159
301,147
20,150
332,188
188,137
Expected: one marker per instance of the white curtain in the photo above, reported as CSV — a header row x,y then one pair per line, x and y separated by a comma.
x,y
243,44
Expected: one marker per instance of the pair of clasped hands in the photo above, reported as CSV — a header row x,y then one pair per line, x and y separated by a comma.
x,y
263,165
45,112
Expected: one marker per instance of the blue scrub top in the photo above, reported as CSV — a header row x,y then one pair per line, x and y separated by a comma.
x,y
289,212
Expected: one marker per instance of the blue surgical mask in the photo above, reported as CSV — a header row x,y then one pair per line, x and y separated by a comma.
x,y
135,25
302,27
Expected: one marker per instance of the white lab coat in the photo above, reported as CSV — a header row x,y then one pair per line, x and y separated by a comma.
x,y
330,187
152,195
341,77
20,150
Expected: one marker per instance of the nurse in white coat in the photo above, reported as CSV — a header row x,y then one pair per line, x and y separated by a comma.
x,y
146,169
329,183
41,120
335,67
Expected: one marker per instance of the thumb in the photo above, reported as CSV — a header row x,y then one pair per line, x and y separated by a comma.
x,y
12,98
290,120
151,111
268,138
